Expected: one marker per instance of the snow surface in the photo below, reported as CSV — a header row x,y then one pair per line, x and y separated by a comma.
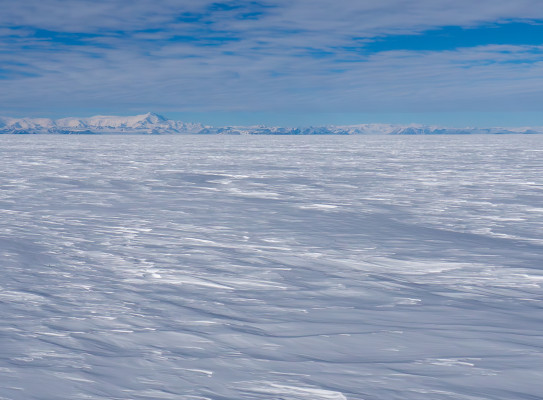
x,y
293,268
151,123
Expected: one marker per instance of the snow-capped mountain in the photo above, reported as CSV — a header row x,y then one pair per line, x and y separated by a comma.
x,y
367,129
151,123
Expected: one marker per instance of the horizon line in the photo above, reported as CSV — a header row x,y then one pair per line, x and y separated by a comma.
x,y
280,125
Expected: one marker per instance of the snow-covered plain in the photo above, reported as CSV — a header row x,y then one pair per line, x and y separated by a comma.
x,y
292,268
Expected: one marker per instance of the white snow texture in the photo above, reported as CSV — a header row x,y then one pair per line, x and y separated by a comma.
x,y
276,268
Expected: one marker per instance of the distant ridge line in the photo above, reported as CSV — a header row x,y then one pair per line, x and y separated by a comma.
x,y
151,123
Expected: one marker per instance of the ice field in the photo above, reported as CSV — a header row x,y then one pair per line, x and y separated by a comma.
x,y
278,268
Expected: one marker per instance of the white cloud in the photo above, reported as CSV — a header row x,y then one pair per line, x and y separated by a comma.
x,y
347,16
130,62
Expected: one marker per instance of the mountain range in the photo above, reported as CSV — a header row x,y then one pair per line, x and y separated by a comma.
x,y
152,123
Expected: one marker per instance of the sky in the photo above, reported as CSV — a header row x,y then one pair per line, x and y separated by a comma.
x,y
284,62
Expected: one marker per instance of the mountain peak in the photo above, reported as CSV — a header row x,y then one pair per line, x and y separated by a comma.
x,y
152,118
152,123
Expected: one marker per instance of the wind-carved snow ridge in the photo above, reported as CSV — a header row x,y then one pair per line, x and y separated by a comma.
x,y
267,268
152,123
270,390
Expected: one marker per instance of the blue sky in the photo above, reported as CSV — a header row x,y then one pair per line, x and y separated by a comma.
x,y
277,62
